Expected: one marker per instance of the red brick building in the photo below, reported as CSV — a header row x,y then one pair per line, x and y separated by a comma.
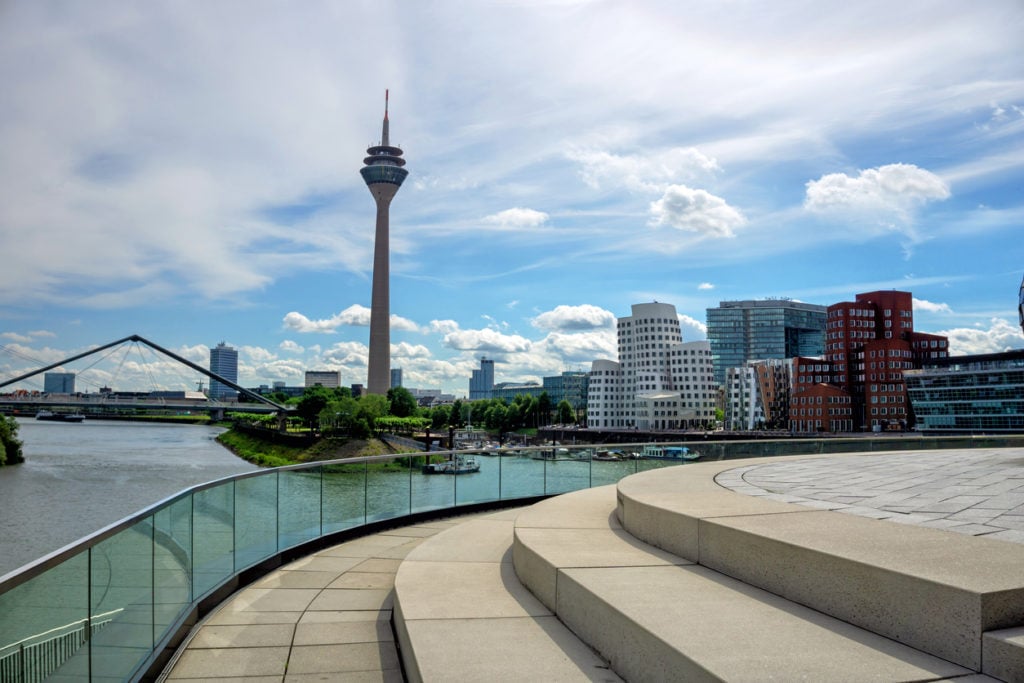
x,y
858,385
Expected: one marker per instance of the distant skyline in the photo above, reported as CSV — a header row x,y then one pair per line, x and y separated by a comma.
x,y
189,172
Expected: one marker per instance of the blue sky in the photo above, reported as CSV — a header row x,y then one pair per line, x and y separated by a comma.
x,y
189,172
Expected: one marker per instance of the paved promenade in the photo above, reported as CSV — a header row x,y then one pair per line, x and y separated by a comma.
x,y
324,617
977,492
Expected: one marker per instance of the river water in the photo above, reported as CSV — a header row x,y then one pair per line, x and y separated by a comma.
x,y
79,478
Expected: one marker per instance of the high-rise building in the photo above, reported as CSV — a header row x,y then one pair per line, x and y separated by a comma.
x,y
323,378
757,395
59,382
223,362
741,331
383,174
859,382
659,382
396,377
481,382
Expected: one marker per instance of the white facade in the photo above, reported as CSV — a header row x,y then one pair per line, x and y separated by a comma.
x,y
659,382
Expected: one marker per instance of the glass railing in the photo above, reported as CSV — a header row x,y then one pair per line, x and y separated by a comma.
x,y
108,606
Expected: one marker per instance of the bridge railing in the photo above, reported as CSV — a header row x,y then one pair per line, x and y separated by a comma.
x,y
148,577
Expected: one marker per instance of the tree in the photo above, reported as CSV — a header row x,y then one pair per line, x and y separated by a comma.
x,y
312,403
439,416
544,408
455,417
566,415
10,446
402,402
370,407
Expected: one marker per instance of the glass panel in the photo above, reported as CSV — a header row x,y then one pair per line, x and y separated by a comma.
x,y
42,623
479,486
299,506
344,497
387,489
522,473
566,473
122,602
212,537
431,491
255,519
172,564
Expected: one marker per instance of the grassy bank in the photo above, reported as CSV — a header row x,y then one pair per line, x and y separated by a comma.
x,y
266,454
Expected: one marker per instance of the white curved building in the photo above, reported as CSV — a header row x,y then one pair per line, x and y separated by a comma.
x,y
659,382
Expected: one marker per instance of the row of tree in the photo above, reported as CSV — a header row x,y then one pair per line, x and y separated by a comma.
x,y
335,410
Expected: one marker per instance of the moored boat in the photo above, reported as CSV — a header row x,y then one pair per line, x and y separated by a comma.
x,y
460,464
50,416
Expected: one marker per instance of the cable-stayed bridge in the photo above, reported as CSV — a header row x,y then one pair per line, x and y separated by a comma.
x,y
119,402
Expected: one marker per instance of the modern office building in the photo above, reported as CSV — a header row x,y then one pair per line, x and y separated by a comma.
x,y
569,386
396,377
481,382
59,383
383,174
741,331
659,382
223,362
757,395
858,383
323,378
969,394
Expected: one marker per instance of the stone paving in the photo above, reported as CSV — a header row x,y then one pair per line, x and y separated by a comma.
x,y
976,492
323,617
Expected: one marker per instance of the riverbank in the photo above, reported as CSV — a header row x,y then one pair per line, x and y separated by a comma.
x,y
265,453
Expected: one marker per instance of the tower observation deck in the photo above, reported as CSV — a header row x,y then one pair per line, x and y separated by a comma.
x,y
383,174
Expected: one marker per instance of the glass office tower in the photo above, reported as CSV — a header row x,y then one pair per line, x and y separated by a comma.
x,y
741,331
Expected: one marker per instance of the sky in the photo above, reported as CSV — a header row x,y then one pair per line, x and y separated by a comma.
x,y
189,172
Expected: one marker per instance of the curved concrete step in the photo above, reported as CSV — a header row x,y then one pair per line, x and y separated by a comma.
x,y
460,614
933,590
656,616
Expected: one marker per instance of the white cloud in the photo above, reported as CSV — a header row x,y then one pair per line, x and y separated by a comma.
x,y
443,326
346,354
290,347
405,351
1001,335
640,173
931,307
584,317
696,211
14,336
354,315
687,322
257,354
517,218
485,340
580,347
889,192
404,324
705,285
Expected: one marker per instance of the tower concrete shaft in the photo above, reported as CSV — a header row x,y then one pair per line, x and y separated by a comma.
x,y
383,174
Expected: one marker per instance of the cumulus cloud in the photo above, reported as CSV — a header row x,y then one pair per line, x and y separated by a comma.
x,y
403,324
584,317
15,337
580,347
407,351
705,285
485,340
1000,335
688,323
640,173
443,326
696,211
346,354
257,354
290,347
516,218
931,307
354,315
890,192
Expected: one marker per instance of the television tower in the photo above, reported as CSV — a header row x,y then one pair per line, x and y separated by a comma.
x,y
383,174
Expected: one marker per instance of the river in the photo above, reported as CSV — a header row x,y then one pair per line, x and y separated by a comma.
x,y
79,478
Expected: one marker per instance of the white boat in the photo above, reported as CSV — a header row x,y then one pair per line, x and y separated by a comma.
x,y
49,416
460,464
656,452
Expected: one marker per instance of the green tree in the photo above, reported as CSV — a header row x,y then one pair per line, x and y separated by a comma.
x,y
10,446
566,415
439,416
402,402
455,419
544,408
312,403
371,407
